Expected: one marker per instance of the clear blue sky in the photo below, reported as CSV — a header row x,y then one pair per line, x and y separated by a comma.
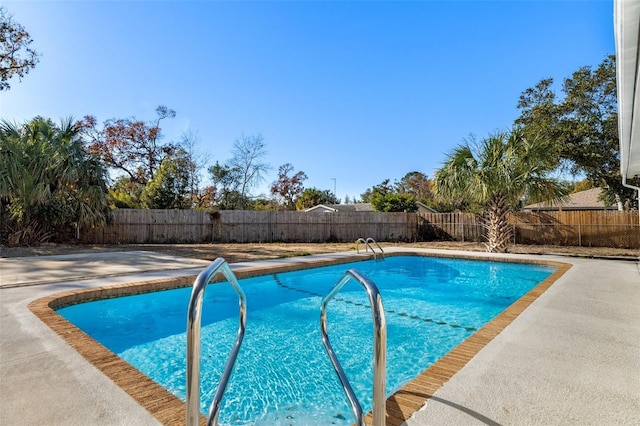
x,y
356,91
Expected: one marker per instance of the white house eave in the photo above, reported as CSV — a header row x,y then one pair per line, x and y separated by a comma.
x,y
627,34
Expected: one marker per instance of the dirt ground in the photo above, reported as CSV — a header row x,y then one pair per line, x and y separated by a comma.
x,y
246,252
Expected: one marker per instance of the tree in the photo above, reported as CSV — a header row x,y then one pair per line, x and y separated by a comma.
x,y
583,124
265,204
130,146
582,185
311,197
288,188
496,174
394,203
48,182
206,198
419,186
226,181
416,184
169,188
402,195
246,161
16,57
384,188
126,194
195,163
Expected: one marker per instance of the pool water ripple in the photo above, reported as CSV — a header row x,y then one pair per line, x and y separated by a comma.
x,y
368,306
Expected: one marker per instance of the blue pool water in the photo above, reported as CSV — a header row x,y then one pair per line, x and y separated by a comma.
x,y
282,374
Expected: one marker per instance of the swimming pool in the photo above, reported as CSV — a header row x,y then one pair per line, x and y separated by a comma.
x,y
283,375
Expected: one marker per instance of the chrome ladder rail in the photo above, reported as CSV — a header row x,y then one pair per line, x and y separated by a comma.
x,y
376,243
379,348
368,246
194,317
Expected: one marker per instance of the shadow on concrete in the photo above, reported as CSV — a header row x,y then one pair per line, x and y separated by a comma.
x,y
394,407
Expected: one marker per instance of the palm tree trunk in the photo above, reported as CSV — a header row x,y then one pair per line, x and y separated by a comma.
x,y
497,225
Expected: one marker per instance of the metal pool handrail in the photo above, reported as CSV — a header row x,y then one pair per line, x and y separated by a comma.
x,y
376,243
194,316
379,348
368,246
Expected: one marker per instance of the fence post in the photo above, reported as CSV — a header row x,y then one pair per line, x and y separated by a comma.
x,y
579,235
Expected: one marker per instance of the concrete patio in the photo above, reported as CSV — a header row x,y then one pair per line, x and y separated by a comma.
x,y
572,357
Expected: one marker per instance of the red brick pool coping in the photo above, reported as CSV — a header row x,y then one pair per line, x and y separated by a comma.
x,y
170,410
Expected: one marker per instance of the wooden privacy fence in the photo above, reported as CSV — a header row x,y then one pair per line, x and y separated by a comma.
x,y
580,228
593,228
131,226
450,226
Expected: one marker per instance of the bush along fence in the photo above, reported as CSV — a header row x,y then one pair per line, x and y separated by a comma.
x,y
579,228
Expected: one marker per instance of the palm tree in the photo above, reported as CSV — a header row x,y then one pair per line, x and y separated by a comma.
x,y
47,181
496,174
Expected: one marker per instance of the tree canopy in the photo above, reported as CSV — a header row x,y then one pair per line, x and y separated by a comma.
x,y
195,162
48,183
248,160
130,146
16,57
288,188
496,173
402,195
311,197
417,184
169,188
382,189
394,203
583,124
226,181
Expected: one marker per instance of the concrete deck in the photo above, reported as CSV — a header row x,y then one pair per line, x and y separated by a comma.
x,y
21,271
572,357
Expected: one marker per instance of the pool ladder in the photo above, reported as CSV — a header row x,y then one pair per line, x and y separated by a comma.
x,y
368,246
194,317
379,348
